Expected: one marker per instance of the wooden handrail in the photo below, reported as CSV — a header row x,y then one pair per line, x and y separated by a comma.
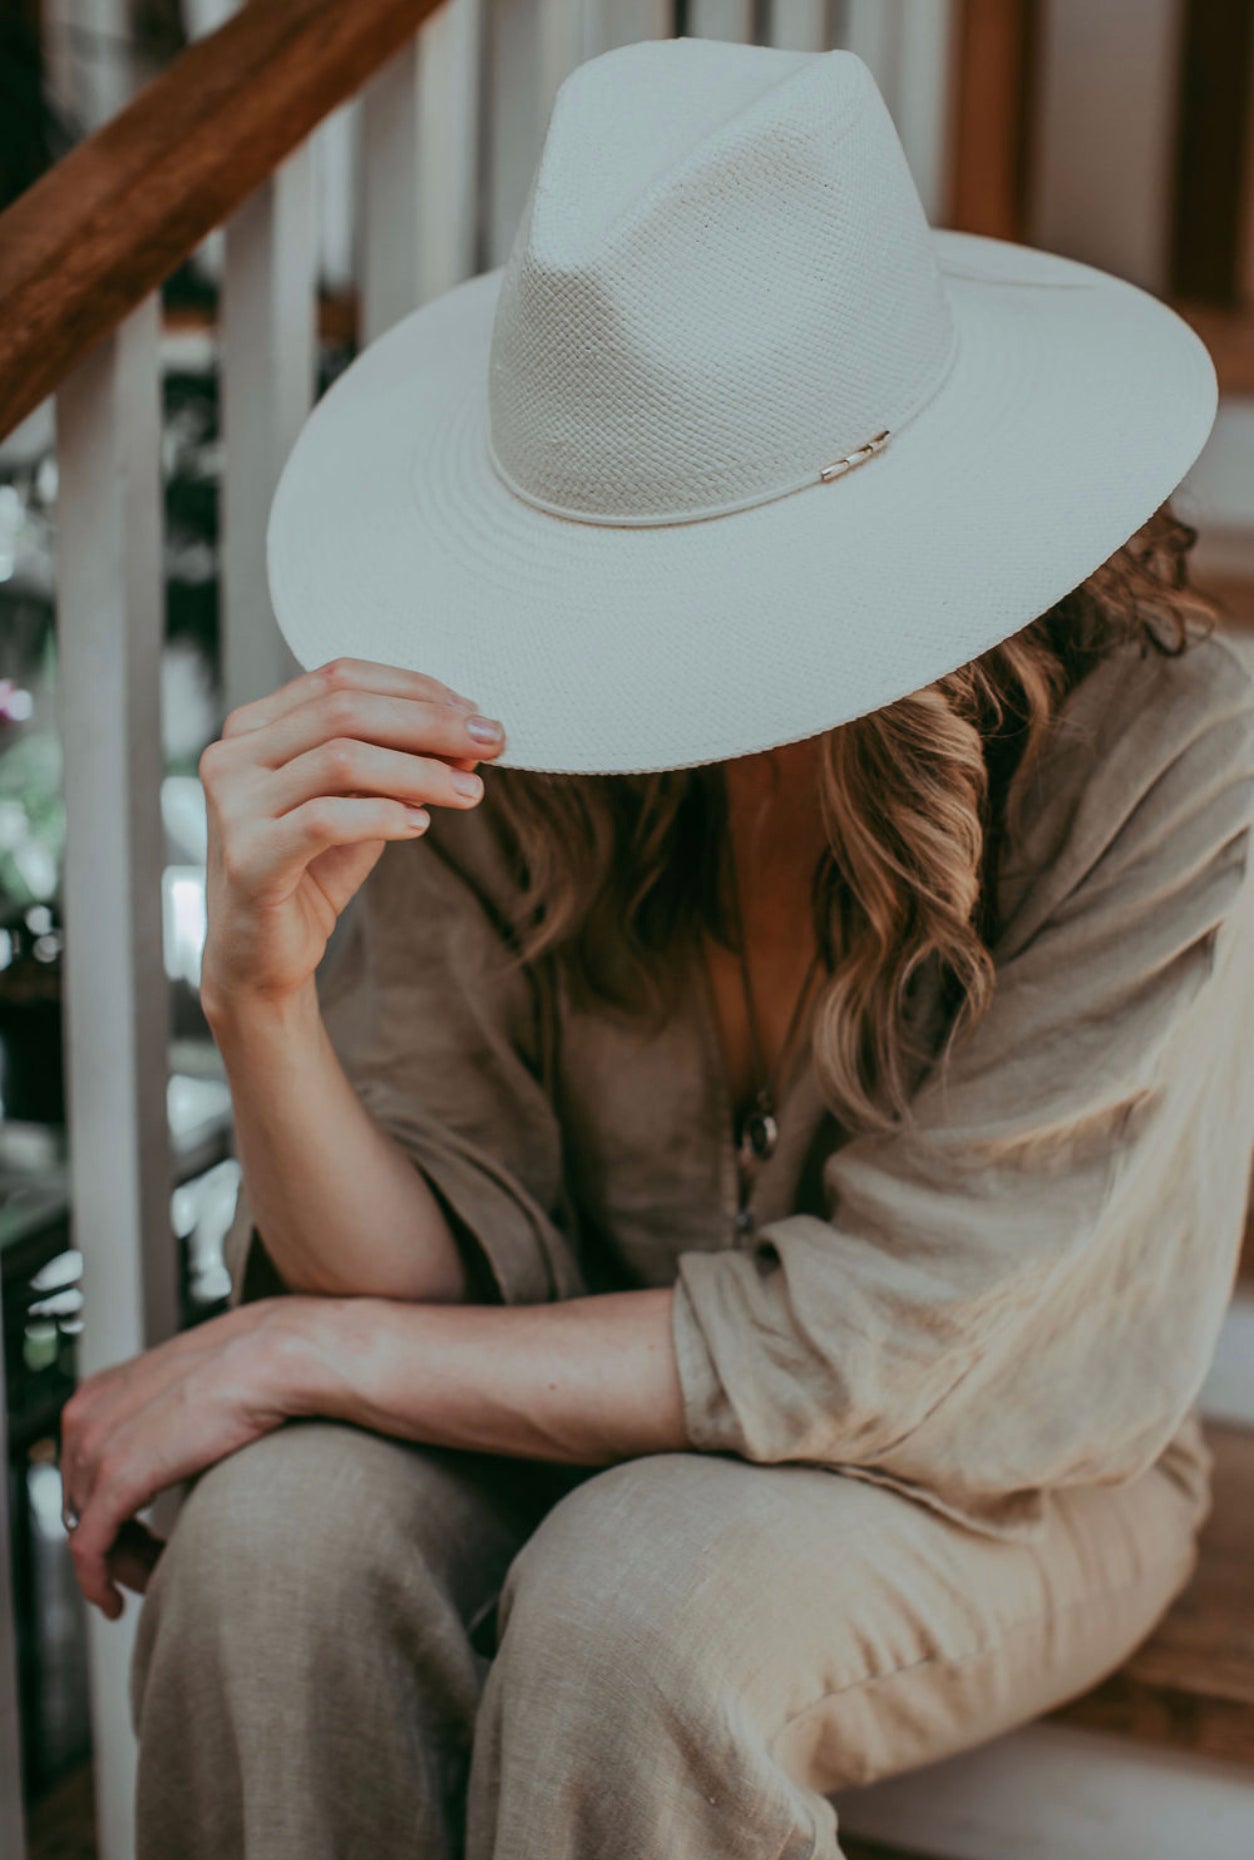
x,y
104,228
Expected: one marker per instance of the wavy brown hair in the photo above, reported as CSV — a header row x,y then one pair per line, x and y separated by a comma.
x,y
617,871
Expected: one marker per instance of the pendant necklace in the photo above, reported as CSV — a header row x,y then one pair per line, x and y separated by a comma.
x,y
757,1130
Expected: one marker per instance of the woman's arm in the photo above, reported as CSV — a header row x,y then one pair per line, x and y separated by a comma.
x,y
340,1203
584,1382
304,790
587,1381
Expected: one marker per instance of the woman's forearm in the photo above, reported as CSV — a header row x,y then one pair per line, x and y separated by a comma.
x,y
340,1206
585,1381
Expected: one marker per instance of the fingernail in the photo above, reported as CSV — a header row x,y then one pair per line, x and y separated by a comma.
x,y
465,783
418,817
484,729
462,703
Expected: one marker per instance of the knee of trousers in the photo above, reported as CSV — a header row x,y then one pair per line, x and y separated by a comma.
x,y
608,1613
728,1612
302,1537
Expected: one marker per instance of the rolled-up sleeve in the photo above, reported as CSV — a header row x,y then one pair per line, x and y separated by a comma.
x,y
1022,1284
443,1039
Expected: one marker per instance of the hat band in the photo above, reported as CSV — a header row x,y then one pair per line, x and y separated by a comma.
x,y
825,474
837,469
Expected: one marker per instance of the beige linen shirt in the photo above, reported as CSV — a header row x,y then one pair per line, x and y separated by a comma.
x,y
1022,1290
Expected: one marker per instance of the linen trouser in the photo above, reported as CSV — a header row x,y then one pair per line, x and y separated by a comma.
x,y
688,1651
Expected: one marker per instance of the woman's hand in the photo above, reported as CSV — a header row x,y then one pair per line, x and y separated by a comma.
x,y
130,1431
303,789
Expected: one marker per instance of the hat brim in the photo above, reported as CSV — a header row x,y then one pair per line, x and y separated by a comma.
x,y
1074,406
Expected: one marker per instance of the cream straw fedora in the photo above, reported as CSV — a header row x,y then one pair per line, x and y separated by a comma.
x,y
733,448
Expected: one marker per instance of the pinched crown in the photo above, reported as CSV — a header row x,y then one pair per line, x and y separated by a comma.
x,y
722,286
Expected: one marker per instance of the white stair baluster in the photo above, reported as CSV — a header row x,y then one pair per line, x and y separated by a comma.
x,y
110,625
530,47
869,28
267,383
624,22
721,19
388,206
334,148
800,25
923,70
562,26
448,146
419,168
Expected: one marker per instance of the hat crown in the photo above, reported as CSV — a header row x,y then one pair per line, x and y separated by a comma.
x,y
722,281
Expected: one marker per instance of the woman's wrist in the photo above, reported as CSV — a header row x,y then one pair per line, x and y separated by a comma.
x,y
360,1359
304,1346
236,1015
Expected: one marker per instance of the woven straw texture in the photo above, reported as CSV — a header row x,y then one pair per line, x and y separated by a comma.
x,y
691,348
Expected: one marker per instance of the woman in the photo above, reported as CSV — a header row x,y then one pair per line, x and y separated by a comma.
x,y
734,1232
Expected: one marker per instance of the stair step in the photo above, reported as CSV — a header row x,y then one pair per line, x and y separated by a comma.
x,y
1059,1792
1191,1686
